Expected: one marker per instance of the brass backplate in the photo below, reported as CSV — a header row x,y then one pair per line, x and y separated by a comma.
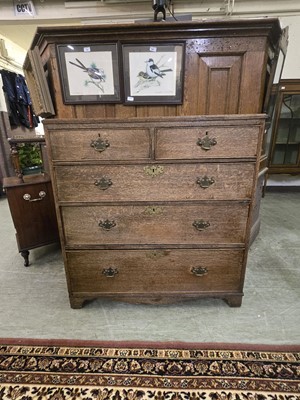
x,y
154,170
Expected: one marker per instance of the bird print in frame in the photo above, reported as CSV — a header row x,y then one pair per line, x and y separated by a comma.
x,y
89,73
95,76
153,74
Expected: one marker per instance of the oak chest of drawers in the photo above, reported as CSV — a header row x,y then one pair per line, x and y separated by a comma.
x,y
156,209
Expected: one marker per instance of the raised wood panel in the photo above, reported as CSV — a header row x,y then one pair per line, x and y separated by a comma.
x,y
221,80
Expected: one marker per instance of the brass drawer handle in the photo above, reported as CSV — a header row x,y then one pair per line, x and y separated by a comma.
x,y
110,272
27,196
103,183
200,224
199,271
107,224
99,144
206,143
205,181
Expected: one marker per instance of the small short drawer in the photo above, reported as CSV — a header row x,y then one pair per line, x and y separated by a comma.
x,y
208,142
155,271
166,223
100,144
155,182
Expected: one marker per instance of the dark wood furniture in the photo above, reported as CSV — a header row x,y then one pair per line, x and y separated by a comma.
x,y
32,209
34,220
284,157
31,202
146,241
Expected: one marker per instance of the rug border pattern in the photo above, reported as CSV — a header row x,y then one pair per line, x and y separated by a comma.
x,y
151,367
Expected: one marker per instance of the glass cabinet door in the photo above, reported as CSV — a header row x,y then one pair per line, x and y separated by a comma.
x,y
286,146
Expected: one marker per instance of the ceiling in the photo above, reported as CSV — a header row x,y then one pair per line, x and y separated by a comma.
x,y
74,12
23,33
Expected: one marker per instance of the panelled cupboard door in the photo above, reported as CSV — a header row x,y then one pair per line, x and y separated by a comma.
x,y
219,78
226,74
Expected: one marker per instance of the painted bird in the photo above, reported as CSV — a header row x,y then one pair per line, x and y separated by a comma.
x,y
152,70
93,72
143,80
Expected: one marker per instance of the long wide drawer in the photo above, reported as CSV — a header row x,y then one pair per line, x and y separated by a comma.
x,y
137,271
161,182
200,223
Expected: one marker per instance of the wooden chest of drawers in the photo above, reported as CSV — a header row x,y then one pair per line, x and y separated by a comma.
x,y
156,209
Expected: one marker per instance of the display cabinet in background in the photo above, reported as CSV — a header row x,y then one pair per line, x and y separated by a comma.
x,y
284,155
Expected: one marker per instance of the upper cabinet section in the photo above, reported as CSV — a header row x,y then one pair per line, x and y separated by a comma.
x,y
204,68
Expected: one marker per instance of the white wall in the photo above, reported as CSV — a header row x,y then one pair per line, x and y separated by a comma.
x,y
292,63
16,56
2,99
13,62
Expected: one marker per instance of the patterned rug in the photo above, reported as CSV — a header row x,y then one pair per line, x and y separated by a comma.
x,y
56,370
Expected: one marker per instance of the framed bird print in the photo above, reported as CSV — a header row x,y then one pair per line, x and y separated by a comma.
x,y
153,74
89,73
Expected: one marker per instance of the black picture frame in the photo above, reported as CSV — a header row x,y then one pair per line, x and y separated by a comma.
x,y
153,73
89,73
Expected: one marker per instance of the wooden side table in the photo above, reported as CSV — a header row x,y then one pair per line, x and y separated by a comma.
x,y
32,209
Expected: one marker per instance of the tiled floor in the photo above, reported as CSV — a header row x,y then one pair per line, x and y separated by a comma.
x,y
34,301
